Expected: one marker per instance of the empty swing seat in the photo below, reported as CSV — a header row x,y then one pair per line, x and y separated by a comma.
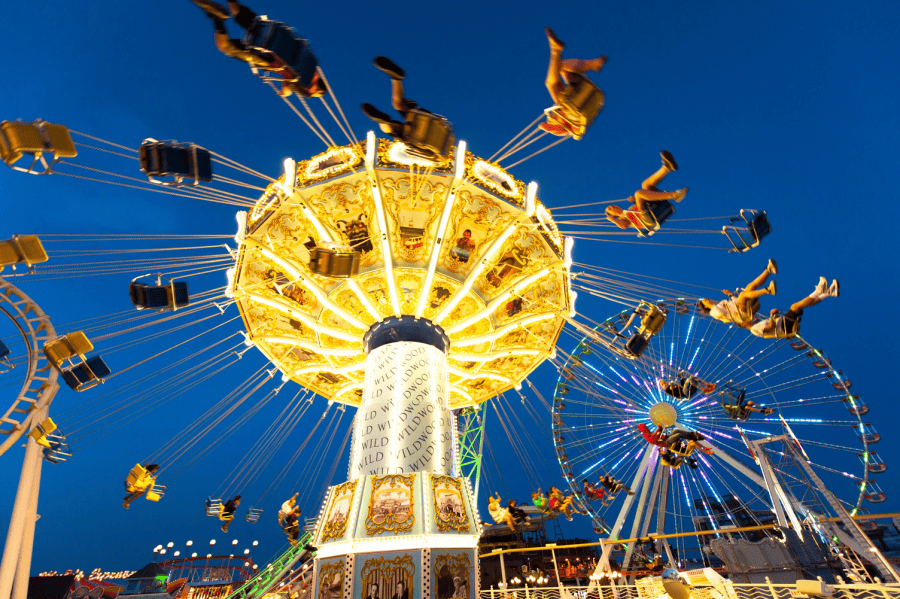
x,y
159,297
58,351
253,515
755,226
636,345
22,249
213,506
339,264
180,161
35,139
291,49
87,374
429,135
580,103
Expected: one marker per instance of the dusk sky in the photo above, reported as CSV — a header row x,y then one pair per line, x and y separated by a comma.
x,y
788,107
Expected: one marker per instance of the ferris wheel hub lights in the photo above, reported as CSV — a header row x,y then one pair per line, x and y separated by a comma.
x,y
663,414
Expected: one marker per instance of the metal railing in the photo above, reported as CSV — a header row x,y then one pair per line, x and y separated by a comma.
x,y
726,591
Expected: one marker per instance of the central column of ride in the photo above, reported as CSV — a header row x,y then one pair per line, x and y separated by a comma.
x,y
404,424
404,524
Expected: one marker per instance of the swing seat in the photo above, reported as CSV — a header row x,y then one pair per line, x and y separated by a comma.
x,y
579,105
57,450
652,320
89,373
4,350
253,515
180,161
35,139
67,347
338,264
41,431
636,345
747,235
874,497
213,506
159,297
429,135
156,493
648,222
292,50
22,249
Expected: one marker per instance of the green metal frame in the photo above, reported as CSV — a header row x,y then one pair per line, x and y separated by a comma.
x,y
266,578
470,441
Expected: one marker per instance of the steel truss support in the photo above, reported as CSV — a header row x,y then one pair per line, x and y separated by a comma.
x,y
471,444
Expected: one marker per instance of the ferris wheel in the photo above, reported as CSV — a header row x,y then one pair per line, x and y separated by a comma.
x,y
607,404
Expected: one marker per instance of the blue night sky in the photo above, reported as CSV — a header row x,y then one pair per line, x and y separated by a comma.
x,y
790,107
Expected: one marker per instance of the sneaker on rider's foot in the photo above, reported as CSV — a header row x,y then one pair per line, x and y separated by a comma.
x,y
680,194
835,289
768,411
668,160
772,267
224,528
555,42
125,505
822,286
386,65
770,288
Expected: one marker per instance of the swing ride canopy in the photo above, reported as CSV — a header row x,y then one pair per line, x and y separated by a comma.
x,y
462,244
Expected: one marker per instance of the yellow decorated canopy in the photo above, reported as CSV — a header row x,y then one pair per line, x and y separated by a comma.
x,y
461,243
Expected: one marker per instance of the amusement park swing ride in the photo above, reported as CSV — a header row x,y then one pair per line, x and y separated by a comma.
x,y
416,282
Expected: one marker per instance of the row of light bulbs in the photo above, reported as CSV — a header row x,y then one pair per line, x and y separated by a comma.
x,y
162,550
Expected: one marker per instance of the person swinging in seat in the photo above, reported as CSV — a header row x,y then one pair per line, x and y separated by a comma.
x,y
500,514
563,78
685,386
593,492
787,325
429,133
140,480
739,408
226,514
685,442
288,518
741,309
237,49
638,215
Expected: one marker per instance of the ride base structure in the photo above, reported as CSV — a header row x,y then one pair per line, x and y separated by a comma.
x,y
410,289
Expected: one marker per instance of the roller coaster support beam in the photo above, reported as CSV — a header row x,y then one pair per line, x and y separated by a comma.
x,y
16,562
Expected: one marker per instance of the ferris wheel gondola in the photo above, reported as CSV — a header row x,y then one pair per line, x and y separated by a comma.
x,y
605,400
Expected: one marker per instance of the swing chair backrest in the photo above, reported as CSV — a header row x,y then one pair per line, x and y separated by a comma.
x,y
22,249
652,320
180,161
286,45
746,236
86,375
159,297
213,506
4,350
253,515
334,263
429,135
649,221
64,348
18,138
636,345
581,102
